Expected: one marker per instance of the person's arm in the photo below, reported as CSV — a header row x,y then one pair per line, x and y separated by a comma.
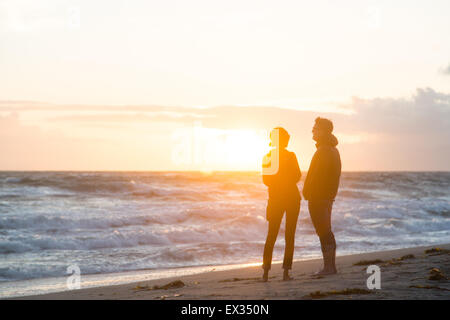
x,y
267,179
310,176
296,173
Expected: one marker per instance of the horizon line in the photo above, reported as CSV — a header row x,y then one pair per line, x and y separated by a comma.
x,y
222,171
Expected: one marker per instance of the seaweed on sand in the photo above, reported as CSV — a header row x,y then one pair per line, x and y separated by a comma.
x,y
367,262
429,287
171,285
436,274
437,251
346,291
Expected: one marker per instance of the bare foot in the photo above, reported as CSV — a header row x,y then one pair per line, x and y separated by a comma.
x,y
286,276
325,272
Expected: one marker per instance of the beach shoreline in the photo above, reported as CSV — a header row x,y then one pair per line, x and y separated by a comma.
x,y
409,273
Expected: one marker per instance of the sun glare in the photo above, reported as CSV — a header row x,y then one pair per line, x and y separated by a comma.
x,y
233,149
210,149
245,148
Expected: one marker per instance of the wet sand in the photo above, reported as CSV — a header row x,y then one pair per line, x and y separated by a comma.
x,y
412,273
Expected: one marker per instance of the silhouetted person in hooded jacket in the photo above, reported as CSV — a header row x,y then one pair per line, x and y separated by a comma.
x,y
320,189
281,174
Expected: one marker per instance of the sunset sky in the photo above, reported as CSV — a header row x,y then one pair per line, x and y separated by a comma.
x,y
196,85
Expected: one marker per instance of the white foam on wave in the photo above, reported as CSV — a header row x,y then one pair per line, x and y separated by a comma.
x,y
129,221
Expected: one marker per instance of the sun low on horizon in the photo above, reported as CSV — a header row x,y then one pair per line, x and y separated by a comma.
x,y
220,150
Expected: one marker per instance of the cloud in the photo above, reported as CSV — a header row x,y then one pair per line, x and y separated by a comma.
x,y
426,112
29,147
407,133
446,70
12,105
121,118
411,133
99,147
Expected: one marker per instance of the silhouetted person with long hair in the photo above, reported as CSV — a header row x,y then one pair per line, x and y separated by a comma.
x,y
281,174
320,189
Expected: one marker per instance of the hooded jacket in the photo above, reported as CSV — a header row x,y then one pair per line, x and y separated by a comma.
x,y
322,180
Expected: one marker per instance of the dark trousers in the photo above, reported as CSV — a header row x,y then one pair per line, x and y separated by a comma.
x,y
275,212
320,212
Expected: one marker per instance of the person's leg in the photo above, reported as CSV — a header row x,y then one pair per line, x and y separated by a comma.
x,y
291,226
330,242
276,214
320,212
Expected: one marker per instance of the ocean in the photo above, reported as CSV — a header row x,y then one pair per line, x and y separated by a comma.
x,y
163,222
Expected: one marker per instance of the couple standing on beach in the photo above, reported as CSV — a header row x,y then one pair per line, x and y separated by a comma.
x,y
281,173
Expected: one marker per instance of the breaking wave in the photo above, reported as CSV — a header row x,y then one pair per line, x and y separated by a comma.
x,y
122,221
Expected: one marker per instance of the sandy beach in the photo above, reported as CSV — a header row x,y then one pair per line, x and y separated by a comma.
x,y
412,273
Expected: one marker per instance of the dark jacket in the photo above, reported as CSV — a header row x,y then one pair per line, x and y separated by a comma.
x,y
283,184
322,180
